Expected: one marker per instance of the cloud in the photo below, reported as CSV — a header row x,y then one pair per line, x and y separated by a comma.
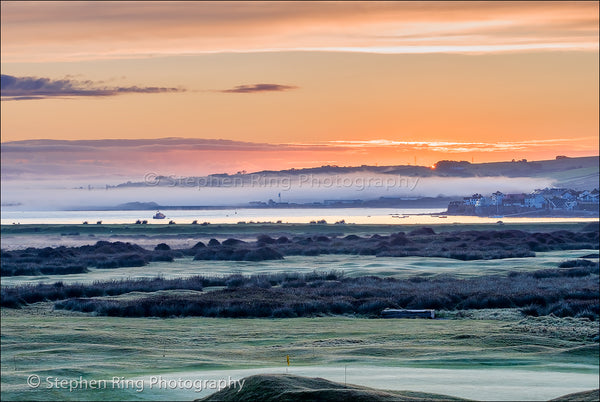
x,y
28,88
123,159
159,145
120,158
104,30
460,147
246,89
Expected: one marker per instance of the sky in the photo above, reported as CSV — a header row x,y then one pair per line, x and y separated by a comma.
x,y
229,86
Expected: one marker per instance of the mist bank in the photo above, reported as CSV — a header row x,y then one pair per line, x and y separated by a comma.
x,y
321,189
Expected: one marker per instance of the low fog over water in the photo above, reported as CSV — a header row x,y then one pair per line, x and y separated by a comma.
x,y
62,194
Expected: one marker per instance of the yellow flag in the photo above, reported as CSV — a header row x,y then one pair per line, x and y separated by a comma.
x,y
288,359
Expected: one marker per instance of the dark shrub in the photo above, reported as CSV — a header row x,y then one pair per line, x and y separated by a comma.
x,y
535,246
164,257
424,231
205,254
499,244
263,254
162,247
507,234
238,254
11,301
352,237
64,270
399,240
464,256
533,310
496,301
232,242
283,240
235,281
284,312
105,247
298,283
131,260
541,237
332,276
367,251
373,307
224,253
577,263
341,307
213,242
546,273
265,239
107,264
311,252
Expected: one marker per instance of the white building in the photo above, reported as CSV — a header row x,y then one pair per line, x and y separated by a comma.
x,y
472,200
589,196
535,201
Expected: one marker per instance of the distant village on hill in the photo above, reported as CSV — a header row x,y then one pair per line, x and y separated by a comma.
x,y
542,202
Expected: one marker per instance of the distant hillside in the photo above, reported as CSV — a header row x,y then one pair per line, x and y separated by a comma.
x,y
575,173
137,206
519,168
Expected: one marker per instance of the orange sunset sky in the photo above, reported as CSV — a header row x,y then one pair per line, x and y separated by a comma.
x,y
296,84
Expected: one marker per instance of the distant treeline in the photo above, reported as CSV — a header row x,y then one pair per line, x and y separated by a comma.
x,y
565,292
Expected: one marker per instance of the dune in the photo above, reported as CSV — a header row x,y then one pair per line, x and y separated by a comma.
x,y
585,396
292,388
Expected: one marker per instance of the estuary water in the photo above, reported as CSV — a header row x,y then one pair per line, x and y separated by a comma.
x,y
416,216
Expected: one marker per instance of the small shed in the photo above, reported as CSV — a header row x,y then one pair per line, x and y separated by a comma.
x,y
402,313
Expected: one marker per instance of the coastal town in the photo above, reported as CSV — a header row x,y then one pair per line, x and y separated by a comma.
x,y
541,201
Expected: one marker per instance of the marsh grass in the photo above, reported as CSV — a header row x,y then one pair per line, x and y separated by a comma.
x,y
564,292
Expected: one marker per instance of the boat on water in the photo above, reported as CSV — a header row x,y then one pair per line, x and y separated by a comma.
x,y
159,215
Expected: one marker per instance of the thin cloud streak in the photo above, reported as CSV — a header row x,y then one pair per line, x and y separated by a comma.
x,y
31,88
164,145
460,147
246,89
88,30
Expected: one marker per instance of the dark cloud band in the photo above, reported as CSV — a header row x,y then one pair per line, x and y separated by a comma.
x,y
27,88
